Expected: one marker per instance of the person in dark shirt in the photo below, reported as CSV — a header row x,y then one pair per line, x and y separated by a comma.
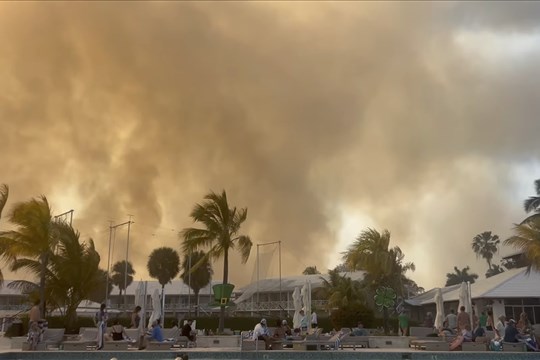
x,y
511,332
187,331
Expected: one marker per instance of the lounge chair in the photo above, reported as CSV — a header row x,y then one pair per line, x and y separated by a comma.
x,y
51,338
354,341
514,347
87,340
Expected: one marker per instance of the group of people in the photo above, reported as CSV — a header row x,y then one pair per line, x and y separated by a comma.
x,y
118,332
282,330
512,332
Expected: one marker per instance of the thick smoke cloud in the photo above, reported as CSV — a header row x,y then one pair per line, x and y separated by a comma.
x,y
301,111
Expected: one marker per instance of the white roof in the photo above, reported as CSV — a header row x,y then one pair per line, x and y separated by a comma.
x,y
514,283
289,283
175,287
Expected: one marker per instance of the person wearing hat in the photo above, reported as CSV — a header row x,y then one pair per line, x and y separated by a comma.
x,y
500,326
282,330
261,332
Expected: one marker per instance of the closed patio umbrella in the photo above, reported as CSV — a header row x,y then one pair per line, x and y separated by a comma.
x,y
439,303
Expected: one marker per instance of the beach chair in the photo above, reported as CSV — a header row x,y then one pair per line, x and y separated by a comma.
x,y
514,347
87,340
51,339
354,341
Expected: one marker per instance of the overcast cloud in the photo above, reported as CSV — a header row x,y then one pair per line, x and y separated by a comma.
x,y
321,118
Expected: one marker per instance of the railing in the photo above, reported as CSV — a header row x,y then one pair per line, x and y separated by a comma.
x,y
274,305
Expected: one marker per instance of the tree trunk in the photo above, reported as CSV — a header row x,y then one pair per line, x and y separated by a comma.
x,y
197,303
44,260
225,281
385,320
162,315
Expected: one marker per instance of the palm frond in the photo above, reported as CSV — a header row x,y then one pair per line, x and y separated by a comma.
x,y
4,194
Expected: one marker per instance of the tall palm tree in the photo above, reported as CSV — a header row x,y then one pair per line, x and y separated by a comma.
x,y
4,193
527,239
220,233
459,276
119,278
35,237
196,277
485,245
164,265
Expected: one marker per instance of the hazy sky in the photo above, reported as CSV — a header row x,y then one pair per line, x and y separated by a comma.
x,y
321,118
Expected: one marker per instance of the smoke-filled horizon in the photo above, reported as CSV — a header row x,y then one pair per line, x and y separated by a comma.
x,y
322,119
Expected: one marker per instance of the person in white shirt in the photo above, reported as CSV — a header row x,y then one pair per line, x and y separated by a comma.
x,y
314,322
261,332
451,320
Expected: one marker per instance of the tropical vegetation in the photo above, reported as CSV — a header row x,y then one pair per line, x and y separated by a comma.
x,y
311,270
220,234
485,245
163,265
459,276
384,266
196,277
122,276
527,240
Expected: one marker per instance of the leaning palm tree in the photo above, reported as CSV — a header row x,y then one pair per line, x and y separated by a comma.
x,y
122,276
35,237
164,265
485,245
527,239
196,277
220,233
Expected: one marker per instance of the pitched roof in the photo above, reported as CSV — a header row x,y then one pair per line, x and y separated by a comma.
x,y
514,283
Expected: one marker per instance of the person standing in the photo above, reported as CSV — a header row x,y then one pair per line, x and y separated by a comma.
x,y
136,317
483,320
403,320
100,320
35,328
463,319
314,321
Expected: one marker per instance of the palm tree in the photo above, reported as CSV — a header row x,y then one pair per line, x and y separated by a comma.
x,y
4,193
494,270
74,272
384,266
340,291
527,239
34,237
221,233
196,277
460,276
485,245
311,270
164,265
532,204
119,278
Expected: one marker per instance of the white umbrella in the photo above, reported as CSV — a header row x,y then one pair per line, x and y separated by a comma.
x,y
306,300
465,299
156,308
439,303
297,302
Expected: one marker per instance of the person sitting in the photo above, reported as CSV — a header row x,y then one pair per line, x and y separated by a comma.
x,y
303,322
511,332
450,321
117,331
188,332
478,332
523,324
466,336
283,331
157,333
261,332
359,330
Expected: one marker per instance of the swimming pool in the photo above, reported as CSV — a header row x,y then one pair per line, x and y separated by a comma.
x,y
377,354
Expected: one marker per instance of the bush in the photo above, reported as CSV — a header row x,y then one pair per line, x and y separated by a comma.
x,y
350,315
